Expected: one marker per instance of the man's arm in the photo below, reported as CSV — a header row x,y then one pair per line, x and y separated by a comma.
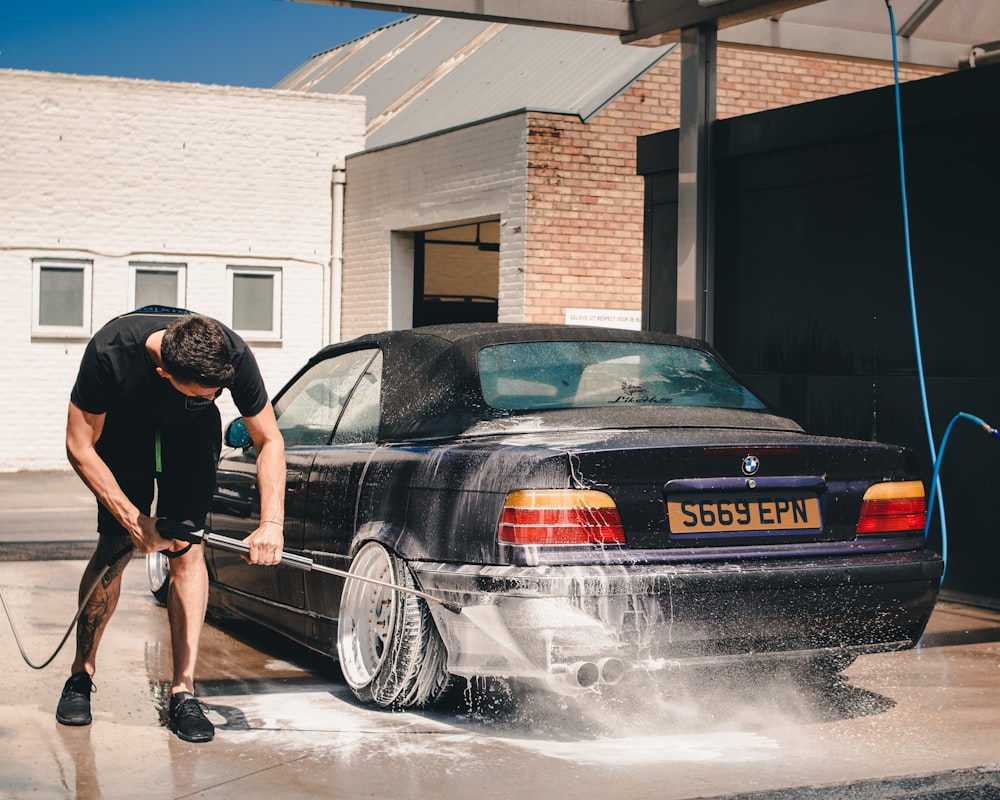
x,y
267,542
83,429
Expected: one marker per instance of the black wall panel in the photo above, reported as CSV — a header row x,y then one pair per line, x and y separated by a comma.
x,y
812,297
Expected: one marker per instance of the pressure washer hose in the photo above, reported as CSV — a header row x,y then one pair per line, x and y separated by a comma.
x,y
69,630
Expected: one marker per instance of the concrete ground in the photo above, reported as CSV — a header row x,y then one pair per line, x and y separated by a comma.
x,y
920,723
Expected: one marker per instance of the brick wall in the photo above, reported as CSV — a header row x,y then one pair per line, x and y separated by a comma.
x,y
464,175
758,80
585,201
112,171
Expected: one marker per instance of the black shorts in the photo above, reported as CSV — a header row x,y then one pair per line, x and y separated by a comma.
x,y
182,463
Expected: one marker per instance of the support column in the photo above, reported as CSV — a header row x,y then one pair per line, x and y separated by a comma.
x,y
335,295
695,206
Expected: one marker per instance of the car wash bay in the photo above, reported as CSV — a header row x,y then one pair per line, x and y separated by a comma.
x,y
929,712
810,282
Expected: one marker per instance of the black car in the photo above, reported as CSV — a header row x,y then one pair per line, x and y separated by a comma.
x,y
586,502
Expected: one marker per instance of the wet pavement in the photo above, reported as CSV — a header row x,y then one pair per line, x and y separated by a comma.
x,y
923,723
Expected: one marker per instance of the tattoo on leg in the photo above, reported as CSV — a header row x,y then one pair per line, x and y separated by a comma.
x,y
104,598
116,564
91,625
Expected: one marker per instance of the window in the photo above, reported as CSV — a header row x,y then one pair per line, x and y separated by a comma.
x,y
157,285
61,297
359,422
256,302
606,374
309,409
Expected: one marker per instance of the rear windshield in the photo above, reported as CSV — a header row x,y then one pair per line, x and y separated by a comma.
x,y
533,375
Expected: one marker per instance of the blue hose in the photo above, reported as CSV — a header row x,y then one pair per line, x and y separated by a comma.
x,y
935,487
936,455
906,234
937,468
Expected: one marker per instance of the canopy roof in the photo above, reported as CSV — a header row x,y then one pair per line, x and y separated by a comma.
x,y
940,33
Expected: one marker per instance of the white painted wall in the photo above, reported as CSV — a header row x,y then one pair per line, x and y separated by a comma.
x,y
462,175
115,171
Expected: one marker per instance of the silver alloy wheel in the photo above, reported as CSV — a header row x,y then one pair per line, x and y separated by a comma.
x,y
158,575
390,651
372,615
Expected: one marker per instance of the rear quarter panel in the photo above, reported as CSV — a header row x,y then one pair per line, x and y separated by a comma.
x,y
442,501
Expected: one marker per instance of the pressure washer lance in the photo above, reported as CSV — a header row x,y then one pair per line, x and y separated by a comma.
x,y
171,529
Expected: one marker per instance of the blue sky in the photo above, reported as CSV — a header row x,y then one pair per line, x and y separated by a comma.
x,y
234,42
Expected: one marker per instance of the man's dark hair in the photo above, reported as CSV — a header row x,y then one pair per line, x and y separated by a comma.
x,y
196,349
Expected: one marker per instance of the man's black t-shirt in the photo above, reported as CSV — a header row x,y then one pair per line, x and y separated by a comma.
x,y
117,376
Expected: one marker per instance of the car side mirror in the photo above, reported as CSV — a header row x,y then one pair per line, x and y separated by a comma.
x,y
237,434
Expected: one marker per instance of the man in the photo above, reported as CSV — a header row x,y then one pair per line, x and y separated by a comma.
x,y
141,412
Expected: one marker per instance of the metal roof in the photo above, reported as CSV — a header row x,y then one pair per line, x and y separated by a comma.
x,y
423,75
932,32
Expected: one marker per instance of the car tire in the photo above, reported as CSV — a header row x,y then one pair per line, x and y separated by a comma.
x,y
391,654
158,576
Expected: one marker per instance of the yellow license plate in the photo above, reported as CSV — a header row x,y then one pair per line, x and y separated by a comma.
x,y
747,511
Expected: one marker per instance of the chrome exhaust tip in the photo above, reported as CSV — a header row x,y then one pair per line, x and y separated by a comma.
x,y
578,675
611,670
586,673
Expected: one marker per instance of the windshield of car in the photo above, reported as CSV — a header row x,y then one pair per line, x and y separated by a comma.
x,y
535,375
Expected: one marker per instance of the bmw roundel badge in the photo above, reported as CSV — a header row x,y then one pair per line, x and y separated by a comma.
x,y
750,465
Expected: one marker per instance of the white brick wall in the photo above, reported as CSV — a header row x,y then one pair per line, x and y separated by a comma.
x,y
462,175
116,171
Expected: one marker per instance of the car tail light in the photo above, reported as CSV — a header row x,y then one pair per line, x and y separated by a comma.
x,y
560,516
892,507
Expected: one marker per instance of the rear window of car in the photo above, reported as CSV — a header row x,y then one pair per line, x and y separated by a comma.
x,y
538,375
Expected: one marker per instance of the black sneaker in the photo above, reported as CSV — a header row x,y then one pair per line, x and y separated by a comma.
x,y
74,704
188,720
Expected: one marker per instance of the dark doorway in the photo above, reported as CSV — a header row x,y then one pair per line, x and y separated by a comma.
x,y
456,274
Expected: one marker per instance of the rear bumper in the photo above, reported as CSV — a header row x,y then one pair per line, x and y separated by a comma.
x,y
549,622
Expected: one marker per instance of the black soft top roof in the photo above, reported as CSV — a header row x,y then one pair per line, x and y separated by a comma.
x,y
431,389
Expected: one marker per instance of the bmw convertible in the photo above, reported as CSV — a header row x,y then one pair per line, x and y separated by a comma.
x,y
567,506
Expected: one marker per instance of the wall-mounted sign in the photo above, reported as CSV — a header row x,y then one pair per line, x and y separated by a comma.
x,y
605,318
